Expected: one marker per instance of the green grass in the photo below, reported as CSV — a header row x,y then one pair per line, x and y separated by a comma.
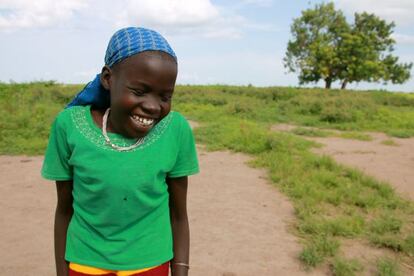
x,y
312,132
408,245
387,267
318,249
385,224
344,110
401,133
315,132
343,267
331,201
26,110
356,136
26,114
389,142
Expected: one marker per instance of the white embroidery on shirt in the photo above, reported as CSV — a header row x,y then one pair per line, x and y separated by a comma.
x,y
78,114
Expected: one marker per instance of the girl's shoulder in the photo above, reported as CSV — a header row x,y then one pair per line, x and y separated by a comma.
x,y
68,112
179,121
176,116
64,119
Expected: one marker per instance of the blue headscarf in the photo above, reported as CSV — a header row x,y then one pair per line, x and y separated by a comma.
x,y
124,43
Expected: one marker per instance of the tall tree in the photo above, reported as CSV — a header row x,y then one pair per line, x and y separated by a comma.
x,y
325,47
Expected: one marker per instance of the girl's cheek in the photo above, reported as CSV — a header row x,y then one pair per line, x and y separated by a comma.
x,y
126,97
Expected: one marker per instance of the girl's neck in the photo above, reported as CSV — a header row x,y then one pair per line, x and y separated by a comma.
x,y
97,115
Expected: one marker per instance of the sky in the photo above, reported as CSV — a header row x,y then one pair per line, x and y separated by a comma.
x,y
217,42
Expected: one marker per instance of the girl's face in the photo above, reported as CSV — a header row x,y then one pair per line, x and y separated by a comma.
x,y
141,88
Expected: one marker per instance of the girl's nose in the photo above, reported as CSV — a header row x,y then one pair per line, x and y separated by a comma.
x,y
151,106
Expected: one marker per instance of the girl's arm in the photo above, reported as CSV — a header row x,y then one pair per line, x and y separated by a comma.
x,y
177,187
64,211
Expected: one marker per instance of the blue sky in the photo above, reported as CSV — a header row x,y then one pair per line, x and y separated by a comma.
x,y
226,42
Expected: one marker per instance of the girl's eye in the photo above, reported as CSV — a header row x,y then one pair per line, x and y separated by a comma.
x,y
137,92
166,98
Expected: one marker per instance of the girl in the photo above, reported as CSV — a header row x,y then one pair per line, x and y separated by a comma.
x,y
120,158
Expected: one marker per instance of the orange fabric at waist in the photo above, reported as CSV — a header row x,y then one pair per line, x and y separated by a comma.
x,y
99,271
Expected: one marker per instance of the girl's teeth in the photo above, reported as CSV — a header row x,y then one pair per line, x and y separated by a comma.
x,y
143,120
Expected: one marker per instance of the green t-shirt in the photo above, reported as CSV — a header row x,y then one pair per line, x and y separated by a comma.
x,y
121,217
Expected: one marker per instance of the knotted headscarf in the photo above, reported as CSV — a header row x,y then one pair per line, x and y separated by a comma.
x,y
123,44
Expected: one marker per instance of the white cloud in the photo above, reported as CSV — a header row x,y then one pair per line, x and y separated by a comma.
x,y
200,17
230,33
85,75
164,13
236,68
261,3
399,11
404,39
188,77
17,14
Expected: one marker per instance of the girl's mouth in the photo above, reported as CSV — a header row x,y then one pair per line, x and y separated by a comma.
x,y
142,122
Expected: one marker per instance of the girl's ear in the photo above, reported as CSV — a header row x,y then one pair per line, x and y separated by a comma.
x,y
106,75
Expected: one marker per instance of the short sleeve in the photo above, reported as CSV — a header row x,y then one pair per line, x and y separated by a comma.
x,y
56,162
186,162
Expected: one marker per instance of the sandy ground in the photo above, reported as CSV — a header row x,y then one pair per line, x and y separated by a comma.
x,y
393,164
239,223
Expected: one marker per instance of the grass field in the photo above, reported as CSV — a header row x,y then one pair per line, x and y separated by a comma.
x,y
332,203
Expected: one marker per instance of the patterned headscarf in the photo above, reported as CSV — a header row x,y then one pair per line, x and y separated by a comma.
x,y
123,44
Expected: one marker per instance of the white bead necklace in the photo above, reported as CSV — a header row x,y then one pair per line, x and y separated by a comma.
x,y
108,141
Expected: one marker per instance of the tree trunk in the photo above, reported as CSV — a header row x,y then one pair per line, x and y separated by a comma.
x,y
328,82
344,83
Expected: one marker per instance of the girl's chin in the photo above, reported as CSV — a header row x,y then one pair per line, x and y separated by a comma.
x,y
138,130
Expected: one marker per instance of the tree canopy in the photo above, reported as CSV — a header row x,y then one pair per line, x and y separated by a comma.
x,y
326,47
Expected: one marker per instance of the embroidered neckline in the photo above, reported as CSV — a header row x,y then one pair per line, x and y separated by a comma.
x,y
83,121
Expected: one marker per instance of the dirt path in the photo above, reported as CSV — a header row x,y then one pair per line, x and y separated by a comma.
x,y
239,223
391,163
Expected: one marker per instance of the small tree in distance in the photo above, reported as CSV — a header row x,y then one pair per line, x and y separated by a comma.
x,y
325,47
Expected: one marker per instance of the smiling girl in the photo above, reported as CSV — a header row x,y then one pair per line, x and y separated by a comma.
x,y
120,158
